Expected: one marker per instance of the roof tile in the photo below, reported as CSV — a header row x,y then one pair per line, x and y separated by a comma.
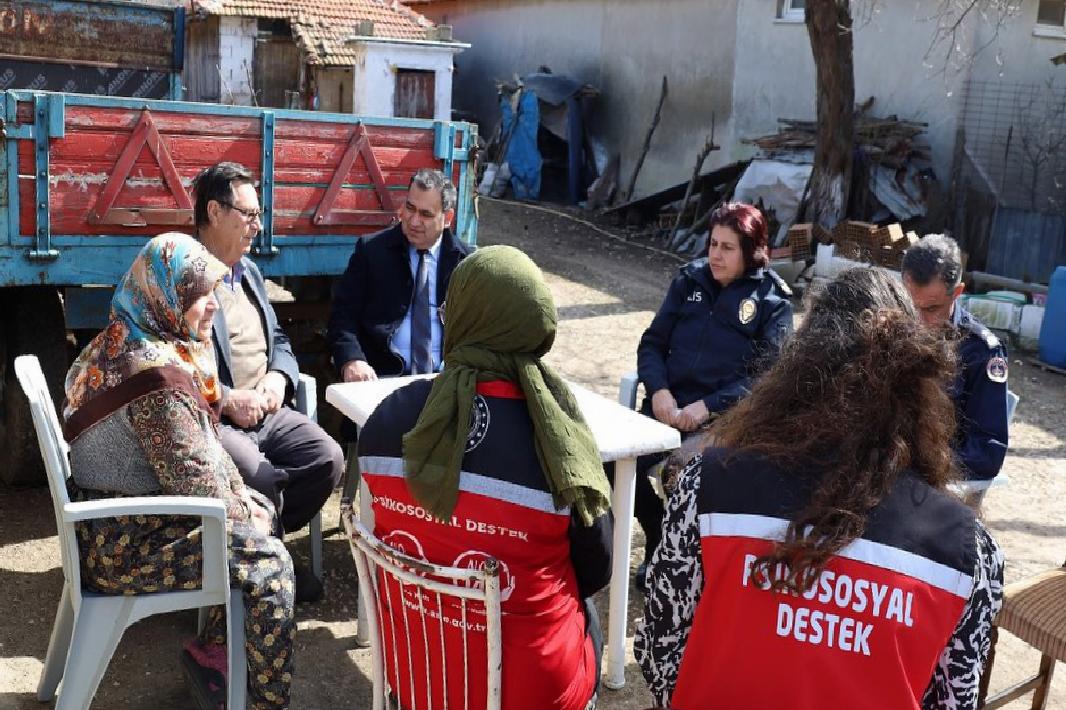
x,y
321,26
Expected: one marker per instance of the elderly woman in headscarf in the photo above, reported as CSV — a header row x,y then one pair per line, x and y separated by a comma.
x,y
141,415
493,459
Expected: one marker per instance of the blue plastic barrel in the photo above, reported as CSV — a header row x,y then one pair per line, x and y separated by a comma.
x,y
1053,329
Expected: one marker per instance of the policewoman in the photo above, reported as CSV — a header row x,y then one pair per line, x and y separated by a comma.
x,y
724,318
816,559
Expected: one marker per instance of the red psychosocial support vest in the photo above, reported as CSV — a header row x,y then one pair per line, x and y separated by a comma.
x,y
867,635
548,660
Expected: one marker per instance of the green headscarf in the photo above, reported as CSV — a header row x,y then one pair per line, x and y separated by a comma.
x,y
500,320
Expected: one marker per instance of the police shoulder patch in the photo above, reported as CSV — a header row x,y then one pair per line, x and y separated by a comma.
x,y
996,369
779,282
989,337
981,331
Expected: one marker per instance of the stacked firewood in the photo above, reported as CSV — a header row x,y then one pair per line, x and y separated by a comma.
x,y
890,141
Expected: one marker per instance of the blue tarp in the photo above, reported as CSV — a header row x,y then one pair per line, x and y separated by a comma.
x,y
522,153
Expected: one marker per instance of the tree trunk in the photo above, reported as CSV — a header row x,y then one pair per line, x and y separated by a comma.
x,y
830,32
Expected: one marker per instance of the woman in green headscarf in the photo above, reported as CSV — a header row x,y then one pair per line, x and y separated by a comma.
x,y
492,458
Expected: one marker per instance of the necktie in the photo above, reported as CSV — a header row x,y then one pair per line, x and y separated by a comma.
x,y
421,323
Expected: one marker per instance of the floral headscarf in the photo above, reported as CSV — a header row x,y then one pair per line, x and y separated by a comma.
x,y
147,332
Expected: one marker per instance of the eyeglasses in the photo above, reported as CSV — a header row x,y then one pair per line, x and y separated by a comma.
x,y
249,215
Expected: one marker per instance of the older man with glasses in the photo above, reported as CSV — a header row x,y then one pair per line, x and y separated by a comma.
x,y
279,451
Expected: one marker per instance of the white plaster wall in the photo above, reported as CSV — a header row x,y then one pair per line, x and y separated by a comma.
x,y
374,76
1019,102
775,75
623,48
237,54
1020,51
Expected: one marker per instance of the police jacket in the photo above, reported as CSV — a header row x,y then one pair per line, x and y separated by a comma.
x,y
548,561
707,342
372,298
980,393
899,618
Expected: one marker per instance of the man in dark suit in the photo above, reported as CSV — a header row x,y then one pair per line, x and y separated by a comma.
x,y
279,451
387,308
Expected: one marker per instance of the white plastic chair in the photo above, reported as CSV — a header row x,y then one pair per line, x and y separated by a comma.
x,y
627,390
307,404
88,625
381,570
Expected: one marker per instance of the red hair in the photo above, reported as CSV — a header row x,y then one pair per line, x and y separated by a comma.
x,y
748,222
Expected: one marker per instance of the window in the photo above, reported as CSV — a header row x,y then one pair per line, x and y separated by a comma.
x,y
1051,13
794,10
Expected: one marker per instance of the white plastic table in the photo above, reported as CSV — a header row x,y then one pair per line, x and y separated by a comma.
x,y
621,436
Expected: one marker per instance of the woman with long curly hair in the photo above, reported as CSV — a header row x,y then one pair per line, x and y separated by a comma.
x,y
812,558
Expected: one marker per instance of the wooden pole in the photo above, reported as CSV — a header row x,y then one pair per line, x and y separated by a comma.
x,y
708,146
647,141
727,193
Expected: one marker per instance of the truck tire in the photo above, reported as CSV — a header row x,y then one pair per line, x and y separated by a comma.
x,y
32,322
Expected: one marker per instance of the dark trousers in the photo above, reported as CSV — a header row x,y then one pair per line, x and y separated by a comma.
x,y
595,634
289,459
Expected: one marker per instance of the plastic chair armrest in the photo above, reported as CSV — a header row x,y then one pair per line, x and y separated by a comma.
x,y
146,505
307,397
982,485
212,511
627,390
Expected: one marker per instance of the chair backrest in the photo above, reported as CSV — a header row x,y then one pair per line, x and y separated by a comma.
x,y
1012,405
56,455
627,390
426,634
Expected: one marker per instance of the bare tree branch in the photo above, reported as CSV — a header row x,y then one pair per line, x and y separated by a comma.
x,y
951,17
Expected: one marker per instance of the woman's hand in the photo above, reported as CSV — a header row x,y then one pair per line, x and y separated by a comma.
x,y
262,519
664,407
693,416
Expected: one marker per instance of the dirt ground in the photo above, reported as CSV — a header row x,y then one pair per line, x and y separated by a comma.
x,y
606,292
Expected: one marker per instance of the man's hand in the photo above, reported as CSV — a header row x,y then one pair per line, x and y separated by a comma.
x,y
664,407
271,389
358,371
244,408
693,416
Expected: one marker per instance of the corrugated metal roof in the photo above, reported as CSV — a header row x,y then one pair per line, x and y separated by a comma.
x,y
321,26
